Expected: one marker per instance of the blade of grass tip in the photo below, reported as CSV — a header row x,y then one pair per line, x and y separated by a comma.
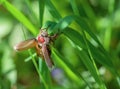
x,y
41,11
19,16
93,62
74,7
51,8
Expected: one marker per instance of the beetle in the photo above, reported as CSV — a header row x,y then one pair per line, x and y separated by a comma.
x,y
41,44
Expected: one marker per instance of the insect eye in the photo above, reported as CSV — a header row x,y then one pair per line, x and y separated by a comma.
x,y
41,39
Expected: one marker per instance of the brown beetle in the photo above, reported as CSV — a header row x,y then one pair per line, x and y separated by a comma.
x,y
41,43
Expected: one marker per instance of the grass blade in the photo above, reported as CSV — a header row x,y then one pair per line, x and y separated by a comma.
x,y
53,10
19,16
41,11
74,7
74,37
66,67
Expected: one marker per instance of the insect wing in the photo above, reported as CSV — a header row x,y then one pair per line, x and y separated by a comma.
x,y
26,45
46,56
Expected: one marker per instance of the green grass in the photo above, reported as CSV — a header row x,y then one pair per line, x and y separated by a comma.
x,y
81,27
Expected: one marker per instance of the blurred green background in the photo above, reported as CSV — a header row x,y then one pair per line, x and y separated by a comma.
x,y
103,17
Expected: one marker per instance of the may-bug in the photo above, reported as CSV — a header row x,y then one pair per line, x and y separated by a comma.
x,y
41,43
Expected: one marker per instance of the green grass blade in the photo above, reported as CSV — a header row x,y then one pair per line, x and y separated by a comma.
x,y
63,65
19,16
43,69
89,65
102,85
62,24
29,58
53,10
88,10
74,7
98,55
31,12
76,39
41,11
102,58
39,73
